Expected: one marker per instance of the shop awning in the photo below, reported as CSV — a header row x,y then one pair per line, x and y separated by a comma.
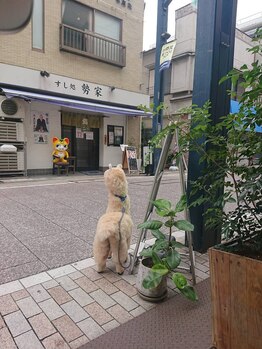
x,y
74,103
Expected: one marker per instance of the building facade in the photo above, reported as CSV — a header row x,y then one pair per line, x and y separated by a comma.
x,y
75,71
178,79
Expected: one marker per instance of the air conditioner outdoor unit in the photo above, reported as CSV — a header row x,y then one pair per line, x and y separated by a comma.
x,y
12,162
11,131
11,108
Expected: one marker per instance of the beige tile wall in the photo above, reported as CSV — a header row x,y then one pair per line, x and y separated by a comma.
x,y
16,49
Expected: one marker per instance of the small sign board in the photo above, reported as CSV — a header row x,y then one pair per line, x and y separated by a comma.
x,y
131,159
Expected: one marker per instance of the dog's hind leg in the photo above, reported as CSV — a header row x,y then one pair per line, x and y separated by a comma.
x,y
119,254
101,251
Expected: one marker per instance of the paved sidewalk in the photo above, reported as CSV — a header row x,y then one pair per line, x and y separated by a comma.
x,y
69,306
51,296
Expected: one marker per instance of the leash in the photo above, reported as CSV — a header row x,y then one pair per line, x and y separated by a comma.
x,y
122,198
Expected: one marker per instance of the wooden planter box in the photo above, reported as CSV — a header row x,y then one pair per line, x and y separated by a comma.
x,y
236,291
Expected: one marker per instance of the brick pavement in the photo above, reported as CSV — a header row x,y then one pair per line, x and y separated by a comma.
x,y
67,307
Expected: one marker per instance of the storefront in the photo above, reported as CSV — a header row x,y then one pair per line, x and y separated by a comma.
x,y
96,118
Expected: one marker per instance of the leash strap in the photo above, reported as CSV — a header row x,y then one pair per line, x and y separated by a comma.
x,y
122,198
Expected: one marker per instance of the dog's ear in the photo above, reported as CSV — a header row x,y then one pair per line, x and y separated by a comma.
x,y
110,166
119,166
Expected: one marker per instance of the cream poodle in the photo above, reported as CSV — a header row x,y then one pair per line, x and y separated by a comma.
x,y
114,228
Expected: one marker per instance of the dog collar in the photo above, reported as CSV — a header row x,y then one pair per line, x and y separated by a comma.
x,y
122,198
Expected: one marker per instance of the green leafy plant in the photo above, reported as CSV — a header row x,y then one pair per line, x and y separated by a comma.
x,y
230,153
163,253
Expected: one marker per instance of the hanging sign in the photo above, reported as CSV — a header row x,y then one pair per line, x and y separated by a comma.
x,y
166,55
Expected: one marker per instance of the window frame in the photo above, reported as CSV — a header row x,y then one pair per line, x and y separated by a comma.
x,y
113,129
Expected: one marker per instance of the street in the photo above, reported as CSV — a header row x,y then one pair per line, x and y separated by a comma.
x,y
51,222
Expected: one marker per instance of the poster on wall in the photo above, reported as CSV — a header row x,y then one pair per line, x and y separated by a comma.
x,y
40,122
90,135
40,138
79,133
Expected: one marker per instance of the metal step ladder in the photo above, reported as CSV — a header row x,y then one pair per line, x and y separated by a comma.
x,y
158,176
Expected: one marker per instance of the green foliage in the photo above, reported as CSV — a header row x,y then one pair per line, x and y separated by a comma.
x,y
163,252
230,154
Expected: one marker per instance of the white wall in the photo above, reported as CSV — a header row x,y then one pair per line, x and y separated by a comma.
x,y
111,154
39,156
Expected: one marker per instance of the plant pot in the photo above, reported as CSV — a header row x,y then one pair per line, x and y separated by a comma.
x,y
156,294
236,289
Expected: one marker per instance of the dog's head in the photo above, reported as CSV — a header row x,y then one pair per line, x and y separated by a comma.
x,y
115,180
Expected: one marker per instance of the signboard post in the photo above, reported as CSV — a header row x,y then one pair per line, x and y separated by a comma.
x,y
131,159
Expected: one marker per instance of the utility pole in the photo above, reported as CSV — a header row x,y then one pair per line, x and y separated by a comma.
x,y
216,22
161,38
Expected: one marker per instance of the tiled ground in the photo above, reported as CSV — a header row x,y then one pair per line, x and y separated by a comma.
x,y
69,306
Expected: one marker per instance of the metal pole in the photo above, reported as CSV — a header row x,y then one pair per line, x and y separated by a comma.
x,y
161,38
216,22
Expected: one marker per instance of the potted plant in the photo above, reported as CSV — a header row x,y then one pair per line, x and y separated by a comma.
x,y
163,257
231,188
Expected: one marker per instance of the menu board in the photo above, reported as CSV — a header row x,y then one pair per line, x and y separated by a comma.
x,y
131,159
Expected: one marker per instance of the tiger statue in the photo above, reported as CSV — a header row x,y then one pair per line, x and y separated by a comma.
x,y
60,153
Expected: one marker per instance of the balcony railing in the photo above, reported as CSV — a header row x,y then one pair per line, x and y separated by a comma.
x,y
92,45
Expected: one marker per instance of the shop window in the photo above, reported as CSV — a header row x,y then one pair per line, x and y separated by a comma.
x,y
115,135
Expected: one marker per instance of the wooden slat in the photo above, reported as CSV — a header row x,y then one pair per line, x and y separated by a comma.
x,y
238,311
254,301
236,287
220,295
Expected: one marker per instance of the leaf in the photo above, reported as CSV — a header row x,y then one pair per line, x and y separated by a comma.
x,y
173,259
152,280
181,205
179,280
152,225
158,235
160,269
162,207
169,223
155,258
160,245
162,204
190,293
147,252
184,225
177,244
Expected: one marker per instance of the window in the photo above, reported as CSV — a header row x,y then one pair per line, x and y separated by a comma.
x,y
82,17
38,25
107,26
115,135
77,15
91,33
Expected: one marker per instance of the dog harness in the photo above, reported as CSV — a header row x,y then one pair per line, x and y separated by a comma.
x,y
121,197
